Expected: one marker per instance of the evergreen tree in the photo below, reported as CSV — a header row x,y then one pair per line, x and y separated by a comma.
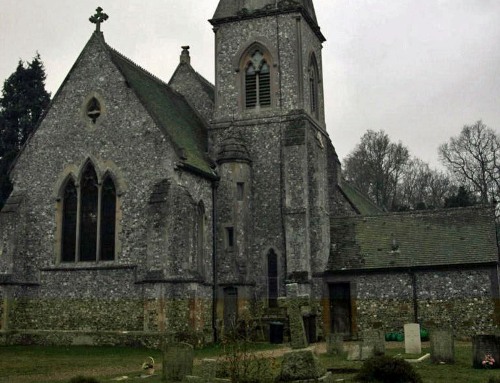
x,y
462,198
23,101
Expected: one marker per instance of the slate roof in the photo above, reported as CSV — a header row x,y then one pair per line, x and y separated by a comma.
x,y
360,203
171,112
236,9
414,239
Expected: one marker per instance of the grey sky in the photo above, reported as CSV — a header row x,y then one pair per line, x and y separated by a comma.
x,y
419,69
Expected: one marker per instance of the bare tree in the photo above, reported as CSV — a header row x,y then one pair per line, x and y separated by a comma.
x,y
473,157
422,187
375,167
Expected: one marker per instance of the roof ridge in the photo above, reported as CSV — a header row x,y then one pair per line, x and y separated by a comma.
x,y
423,211
153,76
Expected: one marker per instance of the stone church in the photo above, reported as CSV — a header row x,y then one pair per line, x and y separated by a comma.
x,y
142,207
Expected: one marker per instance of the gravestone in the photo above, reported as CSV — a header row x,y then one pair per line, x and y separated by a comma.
x,y
208,369
376,339
442,346
293,303
300,365
483,345
177,361
413,344
335,344
360,351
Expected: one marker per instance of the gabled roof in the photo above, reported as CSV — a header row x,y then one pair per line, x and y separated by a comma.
x,y
414,239
227,10
169,109
171,112
207,86
360,203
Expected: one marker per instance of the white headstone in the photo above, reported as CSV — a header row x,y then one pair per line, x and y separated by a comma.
x,y
413,345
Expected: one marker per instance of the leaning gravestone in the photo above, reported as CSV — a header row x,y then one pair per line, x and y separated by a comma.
x,y
375,339
413,344
177,361
442,346
484,345
335,344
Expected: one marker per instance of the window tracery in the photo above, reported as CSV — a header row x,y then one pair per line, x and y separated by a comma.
x,y
88,218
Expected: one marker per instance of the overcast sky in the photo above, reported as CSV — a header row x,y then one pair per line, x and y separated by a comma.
x,y
419,69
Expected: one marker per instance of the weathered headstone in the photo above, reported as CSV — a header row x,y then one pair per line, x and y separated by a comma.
x,y
354,352
208,369
442,346
177,361
483,345
300,365
360,351
293,303
413,344
376,339
335,344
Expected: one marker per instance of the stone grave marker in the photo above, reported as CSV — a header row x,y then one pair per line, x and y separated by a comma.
x,y
300,365
442,346
413,344
335,344
293,304
376,339
208,369
483,345
360,351
354,352
177,361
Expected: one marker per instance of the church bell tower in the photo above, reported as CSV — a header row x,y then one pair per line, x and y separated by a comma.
x,y
273,221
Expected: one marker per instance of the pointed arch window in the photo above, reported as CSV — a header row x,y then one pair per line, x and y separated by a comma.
x,y
88,219
314,87
257,80
272,278
201,232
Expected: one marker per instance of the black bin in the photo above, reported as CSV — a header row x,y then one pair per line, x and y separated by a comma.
x,y
276,330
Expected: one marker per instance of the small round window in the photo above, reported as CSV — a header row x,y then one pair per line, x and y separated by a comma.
x,y
94,109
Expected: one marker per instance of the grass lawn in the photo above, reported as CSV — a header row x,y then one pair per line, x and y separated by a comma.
x,y
36,364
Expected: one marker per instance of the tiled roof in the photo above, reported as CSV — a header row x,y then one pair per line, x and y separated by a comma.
x,y
421,238
171,112
361,203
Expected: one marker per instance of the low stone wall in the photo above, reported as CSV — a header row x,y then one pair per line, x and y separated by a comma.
x,y
81,338
463,300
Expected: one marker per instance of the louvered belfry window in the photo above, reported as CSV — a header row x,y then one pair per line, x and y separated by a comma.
x,y
257,82
88,219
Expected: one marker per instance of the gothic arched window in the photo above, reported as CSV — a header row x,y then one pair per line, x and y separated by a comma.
x,y
70,207
313,86
272,278
257,80
88,219
200,237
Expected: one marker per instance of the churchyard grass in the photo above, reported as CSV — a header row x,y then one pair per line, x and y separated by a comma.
x,y
37,364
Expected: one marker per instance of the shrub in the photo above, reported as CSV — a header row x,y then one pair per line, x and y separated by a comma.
x,y
83,379
384,369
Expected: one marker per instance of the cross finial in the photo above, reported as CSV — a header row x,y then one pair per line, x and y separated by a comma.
x,y
98,18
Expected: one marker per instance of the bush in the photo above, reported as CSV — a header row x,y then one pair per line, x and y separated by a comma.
x,y
384,369
83,379
494,380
